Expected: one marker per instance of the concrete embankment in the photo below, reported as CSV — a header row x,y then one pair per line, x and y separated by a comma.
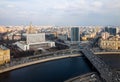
x,y
36,62
89,77
106,53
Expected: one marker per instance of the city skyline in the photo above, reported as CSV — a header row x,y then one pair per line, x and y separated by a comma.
x,y
63,12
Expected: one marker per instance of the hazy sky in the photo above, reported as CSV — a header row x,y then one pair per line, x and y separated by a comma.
x,y
60,12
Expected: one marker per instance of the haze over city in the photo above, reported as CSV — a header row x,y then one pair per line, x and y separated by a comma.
x,y
59,41
60,12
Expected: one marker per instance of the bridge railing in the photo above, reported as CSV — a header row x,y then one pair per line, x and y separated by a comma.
x,y
104,69
99,65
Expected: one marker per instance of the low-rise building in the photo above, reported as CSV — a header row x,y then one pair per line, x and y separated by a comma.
x,y
35,46
105,35
4,55
63,37
83,38
113,42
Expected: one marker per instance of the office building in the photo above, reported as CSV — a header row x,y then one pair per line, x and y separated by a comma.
x,y
111,30
75,35
63,37
34,41
35,38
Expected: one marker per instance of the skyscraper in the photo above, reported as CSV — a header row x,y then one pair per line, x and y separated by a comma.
x,y
75,35
111,30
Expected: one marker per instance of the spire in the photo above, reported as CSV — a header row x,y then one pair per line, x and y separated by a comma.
x,y
30,24
30,29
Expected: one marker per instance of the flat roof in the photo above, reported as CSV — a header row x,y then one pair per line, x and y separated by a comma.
x,y
24,42
3,47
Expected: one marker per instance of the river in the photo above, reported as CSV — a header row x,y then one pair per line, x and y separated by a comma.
x,y
52,71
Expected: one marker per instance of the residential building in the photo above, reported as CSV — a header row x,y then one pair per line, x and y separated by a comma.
x,y
4,55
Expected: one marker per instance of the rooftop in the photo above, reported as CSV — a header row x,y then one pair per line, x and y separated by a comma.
x,y
24,42
3,47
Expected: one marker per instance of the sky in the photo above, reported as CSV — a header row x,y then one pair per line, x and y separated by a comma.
x,y
60,12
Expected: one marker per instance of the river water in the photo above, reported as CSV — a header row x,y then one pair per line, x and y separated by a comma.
x,y
52,71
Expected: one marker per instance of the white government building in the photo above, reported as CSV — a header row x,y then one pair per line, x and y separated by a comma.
x,y
35,41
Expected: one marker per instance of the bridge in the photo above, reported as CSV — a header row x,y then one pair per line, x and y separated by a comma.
x,y
89,77
105,71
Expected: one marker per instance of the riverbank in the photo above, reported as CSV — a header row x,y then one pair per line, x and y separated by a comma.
x,y
99,53
89,77
36,62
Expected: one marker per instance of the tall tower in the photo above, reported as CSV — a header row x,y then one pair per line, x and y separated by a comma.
x,y
112,30
75,35
31,30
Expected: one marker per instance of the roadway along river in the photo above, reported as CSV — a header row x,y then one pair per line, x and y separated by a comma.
x,y
52,71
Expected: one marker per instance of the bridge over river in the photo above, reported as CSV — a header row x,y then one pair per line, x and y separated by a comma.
x,y
105,71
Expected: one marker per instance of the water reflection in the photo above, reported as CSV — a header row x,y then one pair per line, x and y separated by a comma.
x,y
53,71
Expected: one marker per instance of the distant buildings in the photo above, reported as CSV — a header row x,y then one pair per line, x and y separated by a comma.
x,y
12,36
84,38
31,30
63,37
88,36
111,30
75,35
3,29
89,33
105,35
112,42
4,55
110,39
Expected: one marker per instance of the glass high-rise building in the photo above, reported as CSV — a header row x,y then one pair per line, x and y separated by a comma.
x,y
75,35
111,30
